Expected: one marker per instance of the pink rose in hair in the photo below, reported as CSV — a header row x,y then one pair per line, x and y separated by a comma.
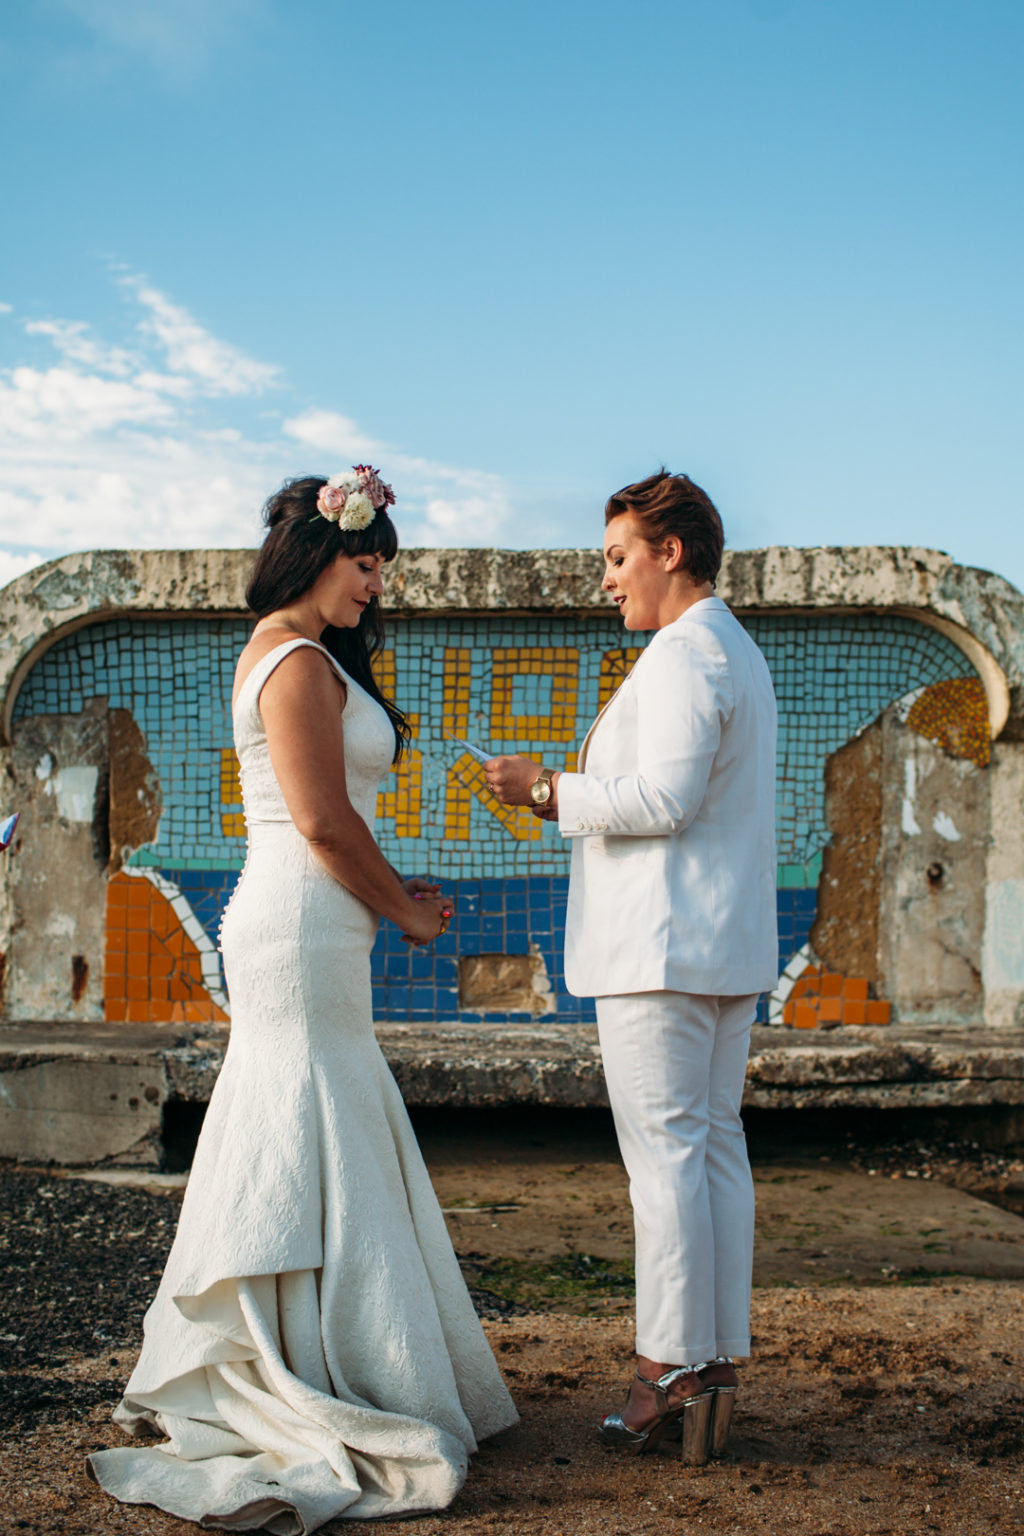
x,y
330,502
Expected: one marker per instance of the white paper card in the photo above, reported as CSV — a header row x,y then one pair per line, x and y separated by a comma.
x,y
467,746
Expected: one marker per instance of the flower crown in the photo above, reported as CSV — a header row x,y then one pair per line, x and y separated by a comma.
x,y
353,500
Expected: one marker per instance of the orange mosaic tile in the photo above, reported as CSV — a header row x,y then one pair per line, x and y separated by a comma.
x,y
822,998
954,714
153,970
802,1016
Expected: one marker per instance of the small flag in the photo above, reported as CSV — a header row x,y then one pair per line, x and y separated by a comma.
x,y
7,830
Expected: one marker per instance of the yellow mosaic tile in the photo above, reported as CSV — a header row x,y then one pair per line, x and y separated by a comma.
x,y
517,821
401,798
232,823
954,714
615,668
456,689
510,667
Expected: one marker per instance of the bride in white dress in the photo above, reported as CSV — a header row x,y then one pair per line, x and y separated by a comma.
x,y
312,1351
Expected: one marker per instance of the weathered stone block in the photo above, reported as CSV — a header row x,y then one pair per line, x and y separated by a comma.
x,y
56,881
82,1111
935,831
504,984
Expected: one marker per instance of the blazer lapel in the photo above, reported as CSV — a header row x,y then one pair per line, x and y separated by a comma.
x,y
582,754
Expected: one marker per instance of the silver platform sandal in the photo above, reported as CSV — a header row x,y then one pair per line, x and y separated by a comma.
x,y
719,1377
688,1420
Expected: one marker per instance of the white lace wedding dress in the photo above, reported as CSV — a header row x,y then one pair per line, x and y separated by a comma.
x,y
312,1351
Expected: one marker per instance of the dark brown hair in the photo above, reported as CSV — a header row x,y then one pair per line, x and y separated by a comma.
x,y
299,546
665,504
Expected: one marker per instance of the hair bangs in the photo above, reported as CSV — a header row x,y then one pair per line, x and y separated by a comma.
x,y
379,537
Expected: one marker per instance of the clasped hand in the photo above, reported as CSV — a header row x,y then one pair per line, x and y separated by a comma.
x,y
433,911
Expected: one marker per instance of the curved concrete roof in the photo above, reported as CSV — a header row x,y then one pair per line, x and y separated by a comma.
x,y
979,611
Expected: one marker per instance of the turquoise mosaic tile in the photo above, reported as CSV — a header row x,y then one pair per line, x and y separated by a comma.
x,y
833,676
526,684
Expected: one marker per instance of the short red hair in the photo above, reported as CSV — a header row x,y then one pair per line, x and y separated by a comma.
x,y
665,504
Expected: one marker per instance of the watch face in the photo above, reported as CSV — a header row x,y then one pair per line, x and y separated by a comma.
x,y
540,792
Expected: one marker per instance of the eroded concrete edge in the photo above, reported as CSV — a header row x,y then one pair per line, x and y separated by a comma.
x,y
103,1106
982,611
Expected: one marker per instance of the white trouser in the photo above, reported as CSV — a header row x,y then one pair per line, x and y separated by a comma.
x,y
675,1064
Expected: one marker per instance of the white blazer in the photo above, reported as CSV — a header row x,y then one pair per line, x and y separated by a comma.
x,y
672,816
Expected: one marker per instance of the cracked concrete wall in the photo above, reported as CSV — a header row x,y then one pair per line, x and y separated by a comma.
x,y
57,771
922,885
845,931
934,849
85,785
1003,941
63,1110
135,798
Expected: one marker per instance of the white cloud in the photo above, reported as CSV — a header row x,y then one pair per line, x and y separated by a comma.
x,y
73,341
126,447
165,494
6,309
180,36
438,504
454,522
38,405
216,367
105,448
329,432
165,384
452,506
16,565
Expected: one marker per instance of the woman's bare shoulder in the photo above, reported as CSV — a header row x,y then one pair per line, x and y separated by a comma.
x,y
307,659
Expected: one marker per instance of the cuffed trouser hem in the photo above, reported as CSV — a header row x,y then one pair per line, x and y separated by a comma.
x,y
736,1349
654,1349
685,1354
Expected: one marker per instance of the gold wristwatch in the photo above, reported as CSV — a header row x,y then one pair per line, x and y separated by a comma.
x,y
540,789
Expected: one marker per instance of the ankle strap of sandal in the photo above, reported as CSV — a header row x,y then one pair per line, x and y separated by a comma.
x,y
664,1383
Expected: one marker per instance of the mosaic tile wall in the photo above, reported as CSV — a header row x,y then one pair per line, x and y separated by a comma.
x,y
530,685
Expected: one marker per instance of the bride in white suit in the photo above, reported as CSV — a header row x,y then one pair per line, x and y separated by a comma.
x,y
671,926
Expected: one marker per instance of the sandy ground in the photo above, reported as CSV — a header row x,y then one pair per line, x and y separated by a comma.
x,y
885,1394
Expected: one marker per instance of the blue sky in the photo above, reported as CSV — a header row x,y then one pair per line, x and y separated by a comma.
x,y
517,255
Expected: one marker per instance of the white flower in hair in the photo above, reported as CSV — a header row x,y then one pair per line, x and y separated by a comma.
x,y
358,513
352,500
347,483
